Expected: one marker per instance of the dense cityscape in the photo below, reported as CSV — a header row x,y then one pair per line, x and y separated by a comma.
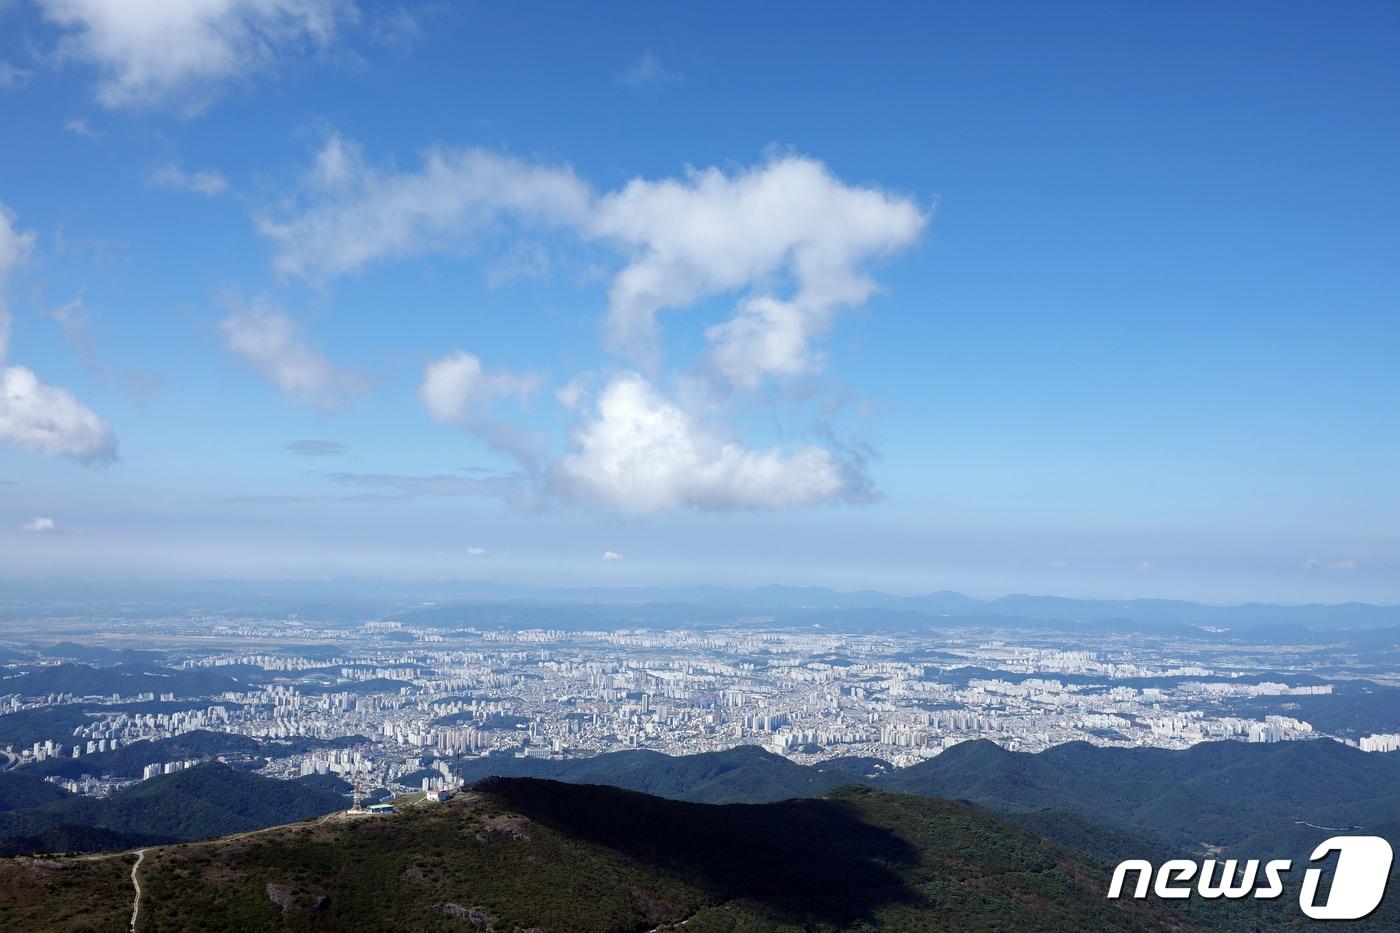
x,y
387,704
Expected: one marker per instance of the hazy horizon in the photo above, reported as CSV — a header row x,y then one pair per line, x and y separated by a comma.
x,y
488,588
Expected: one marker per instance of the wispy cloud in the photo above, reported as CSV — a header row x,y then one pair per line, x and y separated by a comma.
x,y
40,525
12,77
401,27
1343,565
79,127
312,448
458,390
72,319
172,176
647,75
273,344
502,485
263,500
354,215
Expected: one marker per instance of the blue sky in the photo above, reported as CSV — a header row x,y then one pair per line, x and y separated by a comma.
x,y
1086,298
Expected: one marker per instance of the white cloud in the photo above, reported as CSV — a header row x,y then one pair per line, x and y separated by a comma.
x,y
356,215
34,416
273,344
710,233
787,225
457,390
789,240
39,524
152,52
789,220
611,555
477,552
171,175
766,336
647,75
643,453
48,420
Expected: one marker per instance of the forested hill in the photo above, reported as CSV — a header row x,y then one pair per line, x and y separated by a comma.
x,y
208,800
1253,800
519,854
1214,794
745,774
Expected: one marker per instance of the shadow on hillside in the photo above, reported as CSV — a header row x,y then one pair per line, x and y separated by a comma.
x,y
811,858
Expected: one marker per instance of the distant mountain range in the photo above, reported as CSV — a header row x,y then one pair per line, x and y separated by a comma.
x,y
352,599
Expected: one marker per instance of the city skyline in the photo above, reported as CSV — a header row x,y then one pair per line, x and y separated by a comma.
x,y
1084,301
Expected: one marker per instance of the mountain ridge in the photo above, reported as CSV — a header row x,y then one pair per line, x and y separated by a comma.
x,y
398,596
520,853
